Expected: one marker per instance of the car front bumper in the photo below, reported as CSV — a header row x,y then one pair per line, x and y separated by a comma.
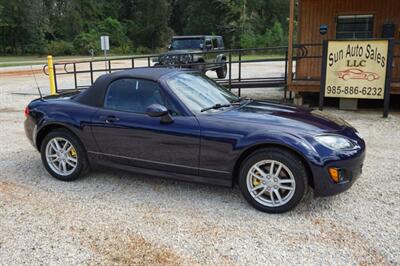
x,y
351,168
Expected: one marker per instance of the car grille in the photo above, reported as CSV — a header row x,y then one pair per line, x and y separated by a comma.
x,y
175,59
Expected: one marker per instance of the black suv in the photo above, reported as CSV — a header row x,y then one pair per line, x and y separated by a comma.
x,y
200,52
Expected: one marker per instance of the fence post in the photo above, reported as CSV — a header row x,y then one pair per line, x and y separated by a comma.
x,y
286,84
75,79
91,72
51,74
388,78
230,70
240,71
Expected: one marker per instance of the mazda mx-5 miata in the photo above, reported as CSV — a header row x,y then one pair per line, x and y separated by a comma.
x,y
180,124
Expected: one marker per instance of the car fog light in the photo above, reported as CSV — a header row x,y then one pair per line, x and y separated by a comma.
x,y
335,174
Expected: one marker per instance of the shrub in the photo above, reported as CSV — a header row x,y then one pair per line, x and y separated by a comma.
x,y
114,29
143,50
86,41
60,48
123,49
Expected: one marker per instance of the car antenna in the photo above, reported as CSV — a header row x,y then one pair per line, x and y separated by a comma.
x,y
37,85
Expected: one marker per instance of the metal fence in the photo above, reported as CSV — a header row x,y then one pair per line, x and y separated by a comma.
x,y
83,73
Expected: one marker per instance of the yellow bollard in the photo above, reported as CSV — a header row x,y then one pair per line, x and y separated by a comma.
x,y
51,75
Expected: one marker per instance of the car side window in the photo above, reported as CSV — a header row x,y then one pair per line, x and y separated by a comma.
x,y
208,42
220,43
135,95
132,95
214,43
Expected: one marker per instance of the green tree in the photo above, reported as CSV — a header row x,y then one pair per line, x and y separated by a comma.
x,y
87,41
31,26
114,29
24,26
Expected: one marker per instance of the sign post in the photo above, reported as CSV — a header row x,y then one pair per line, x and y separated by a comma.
x,y
105,46
356,69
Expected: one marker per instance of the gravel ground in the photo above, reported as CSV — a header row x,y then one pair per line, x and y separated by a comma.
x,y
113,217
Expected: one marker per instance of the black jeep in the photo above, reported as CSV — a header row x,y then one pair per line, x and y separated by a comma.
x,y
200,52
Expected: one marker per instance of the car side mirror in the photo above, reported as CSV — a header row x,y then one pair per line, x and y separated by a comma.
x,y
169,46
158,110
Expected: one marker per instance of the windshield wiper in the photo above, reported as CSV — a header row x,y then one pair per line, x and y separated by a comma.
x,y
240,99
235,102
216,106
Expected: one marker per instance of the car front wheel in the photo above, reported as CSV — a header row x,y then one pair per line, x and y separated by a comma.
x,y
273,180
63,155
221,72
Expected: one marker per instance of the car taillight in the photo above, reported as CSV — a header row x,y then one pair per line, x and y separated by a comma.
x,y
26,111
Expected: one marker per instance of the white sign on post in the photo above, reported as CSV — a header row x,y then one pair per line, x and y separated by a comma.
x,y
105,46
105,43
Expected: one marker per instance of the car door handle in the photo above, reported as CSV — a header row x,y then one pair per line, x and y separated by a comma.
x,y
109,119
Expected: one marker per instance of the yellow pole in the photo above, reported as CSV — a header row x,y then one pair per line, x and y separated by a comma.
x,y
51,75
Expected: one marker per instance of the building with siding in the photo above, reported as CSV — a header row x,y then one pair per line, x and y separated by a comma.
x,y
342,19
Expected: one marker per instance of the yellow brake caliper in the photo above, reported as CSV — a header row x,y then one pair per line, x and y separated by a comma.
x,y
256,181
72,152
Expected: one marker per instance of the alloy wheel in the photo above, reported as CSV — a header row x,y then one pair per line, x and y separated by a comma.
x,y
271,183
61,156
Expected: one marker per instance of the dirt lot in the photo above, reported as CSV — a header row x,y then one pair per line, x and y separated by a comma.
x,y
113,217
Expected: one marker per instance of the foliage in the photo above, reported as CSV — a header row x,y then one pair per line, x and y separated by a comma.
x,y
86,41
114,29
60,48
65,27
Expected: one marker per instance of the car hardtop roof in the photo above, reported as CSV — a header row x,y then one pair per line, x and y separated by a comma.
x,y
195,36
95,94
149,73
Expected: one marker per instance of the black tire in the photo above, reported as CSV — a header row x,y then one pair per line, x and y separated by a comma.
x,y
221,72
200,66
82,166
291,161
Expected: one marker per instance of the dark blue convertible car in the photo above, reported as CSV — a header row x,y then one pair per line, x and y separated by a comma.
x,y
180,124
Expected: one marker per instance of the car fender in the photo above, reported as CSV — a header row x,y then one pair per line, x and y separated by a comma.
x,y
62,119
294,142
220,57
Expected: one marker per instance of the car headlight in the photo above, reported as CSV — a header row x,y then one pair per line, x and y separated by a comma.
x,y
335,142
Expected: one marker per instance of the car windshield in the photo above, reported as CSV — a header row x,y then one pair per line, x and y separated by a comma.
x,y
198,92
182,44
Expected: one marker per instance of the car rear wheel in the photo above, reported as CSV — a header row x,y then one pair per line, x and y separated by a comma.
x,y
221,72
63,155
273,180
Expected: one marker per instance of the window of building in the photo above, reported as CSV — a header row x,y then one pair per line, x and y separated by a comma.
x,y
354,27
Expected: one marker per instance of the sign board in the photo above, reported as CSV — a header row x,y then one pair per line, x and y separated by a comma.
x,y
105,43
356,69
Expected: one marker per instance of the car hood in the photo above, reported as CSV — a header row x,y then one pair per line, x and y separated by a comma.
x,y
280,116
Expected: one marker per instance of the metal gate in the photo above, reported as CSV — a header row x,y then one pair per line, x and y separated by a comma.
x,y
241,67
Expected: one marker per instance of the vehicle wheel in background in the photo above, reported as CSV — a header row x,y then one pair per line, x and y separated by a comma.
x,y
200,66
221,72
63,155
273,180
